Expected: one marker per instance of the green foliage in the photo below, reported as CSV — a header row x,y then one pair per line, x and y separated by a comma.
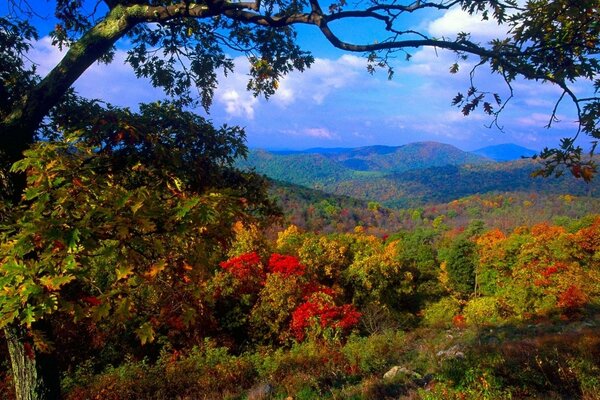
x,y
426,179
128,208
375,353
270,316
482,311
441,313
461,264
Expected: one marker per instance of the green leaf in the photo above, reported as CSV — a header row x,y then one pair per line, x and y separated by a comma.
x,y
124,271
29,315
32,192
186,207
55,282
136,206
101,311
14,268
70,263
145,333
7,318
73,240
122,312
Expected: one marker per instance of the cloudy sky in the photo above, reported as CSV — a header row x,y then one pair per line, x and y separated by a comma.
x,y
337,103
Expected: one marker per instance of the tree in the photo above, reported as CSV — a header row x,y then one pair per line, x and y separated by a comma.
x,y
179,46
121,216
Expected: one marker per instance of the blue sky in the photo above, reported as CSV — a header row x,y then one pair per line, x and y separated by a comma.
x,y
337,103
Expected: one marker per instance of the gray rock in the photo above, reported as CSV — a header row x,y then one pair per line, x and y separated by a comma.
x,y
260,391
397,370
452,352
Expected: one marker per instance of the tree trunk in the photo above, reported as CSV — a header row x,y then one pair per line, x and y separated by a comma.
x,y
35,376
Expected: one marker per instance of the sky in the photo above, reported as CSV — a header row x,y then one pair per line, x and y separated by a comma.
x,y
337,103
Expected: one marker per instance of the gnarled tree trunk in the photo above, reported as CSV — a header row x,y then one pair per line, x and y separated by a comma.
x,y
35,376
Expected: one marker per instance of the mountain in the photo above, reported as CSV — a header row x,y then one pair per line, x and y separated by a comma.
x,y
505,152
444,184
324,166
405,158
299,168
409,176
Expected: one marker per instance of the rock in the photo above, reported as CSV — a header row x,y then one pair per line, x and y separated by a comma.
x,y
260,391
397,370
452,352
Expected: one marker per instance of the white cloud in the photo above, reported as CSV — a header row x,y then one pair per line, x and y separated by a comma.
x,y
238,104
321,133
316,133
362,136
315,84
310,87
456,20
540,120
115,83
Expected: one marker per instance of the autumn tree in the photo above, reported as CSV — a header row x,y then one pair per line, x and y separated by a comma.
x,y
122,216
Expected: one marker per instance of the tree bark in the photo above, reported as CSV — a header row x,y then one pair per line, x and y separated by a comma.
x,y
35,376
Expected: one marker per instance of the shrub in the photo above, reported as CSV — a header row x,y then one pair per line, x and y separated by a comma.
x,y
440,314
376,353
319,317
482,311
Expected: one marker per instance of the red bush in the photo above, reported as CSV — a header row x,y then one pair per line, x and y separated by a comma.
x,y
320,311
285,265
244,266
572,299
459,321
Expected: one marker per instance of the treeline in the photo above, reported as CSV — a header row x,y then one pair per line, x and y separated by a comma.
x,y
318,211
427,178
326,315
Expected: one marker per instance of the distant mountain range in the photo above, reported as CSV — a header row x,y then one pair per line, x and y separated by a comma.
x,y
505,152
393,158
413,174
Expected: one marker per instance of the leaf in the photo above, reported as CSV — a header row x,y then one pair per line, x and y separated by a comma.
x,y
41,342
55,282
454,68
14,268
497,98
122,312
145,333
29,316
73,240
156,269
487,108
101,312
124,271
457,99
69,263
136,206
7,318
185,208
587,173
32,192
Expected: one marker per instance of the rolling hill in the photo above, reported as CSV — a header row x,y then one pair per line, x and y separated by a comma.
x,y
411,175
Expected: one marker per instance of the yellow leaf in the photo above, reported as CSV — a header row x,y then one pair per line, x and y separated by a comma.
x,y
156,269
123,272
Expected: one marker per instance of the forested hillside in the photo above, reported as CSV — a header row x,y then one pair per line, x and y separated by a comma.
x,y
411,175
433,311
